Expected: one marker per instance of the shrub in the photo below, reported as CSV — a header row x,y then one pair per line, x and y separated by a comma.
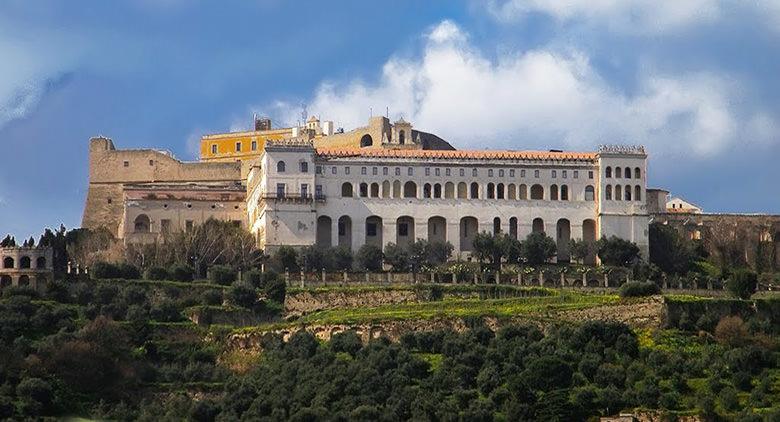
x,y
222,274
181,272
538,248
165,311
156,273
616,251
274,288
102,269
314,258
129,271
639,288
212,297
732,331
287,258
397,257
742,283
342,258
242,295
369,258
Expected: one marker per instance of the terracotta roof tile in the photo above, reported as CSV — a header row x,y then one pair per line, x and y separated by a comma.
x,y
456,154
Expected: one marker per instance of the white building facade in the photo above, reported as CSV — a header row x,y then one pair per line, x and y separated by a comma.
x,y
298,195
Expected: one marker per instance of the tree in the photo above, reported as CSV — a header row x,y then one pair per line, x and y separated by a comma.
x,y
287,258
669,250
581,249
397,257
314,258
418,254
742,283
8,242
617,252
242,295
538,248
342,258
484,247
369,258
732,331
439,252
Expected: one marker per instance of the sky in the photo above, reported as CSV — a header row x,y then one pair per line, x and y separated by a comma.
x,y
696,82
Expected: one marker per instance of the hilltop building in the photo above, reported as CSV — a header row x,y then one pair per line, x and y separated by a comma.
x,y
24,266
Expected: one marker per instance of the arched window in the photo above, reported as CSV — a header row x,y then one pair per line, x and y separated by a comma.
x,y
608,193
449,190
523,192
142,224
618,172
462,190
410,190
363,190
496,225
346,190
401,137
500,191
427,190
386,189
609,172
374,190
637,193
627,196
366,141
396,189
491,189
537,226
564,193
590,193
8,262
511,191
474,190
637,173
513,227
437,190
304,167
280,167
25,262
554,192
40,263
537,192
618,193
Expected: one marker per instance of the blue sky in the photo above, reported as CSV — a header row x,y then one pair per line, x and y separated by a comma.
x,y
696,82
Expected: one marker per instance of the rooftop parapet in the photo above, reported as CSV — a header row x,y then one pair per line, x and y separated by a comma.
x,y
622,149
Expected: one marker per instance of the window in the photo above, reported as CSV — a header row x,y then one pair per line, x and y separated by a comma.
x,y
474,172
576,174
618,193
627,195
385,171
333,170
238,146
637,173
403,229
363,190
304,167
490,172
537,192
126,164
447,172
142,224
462,172
512,173
564,193
427,171
346,170
491,191
304,190
618,173
280,190
590,174
522,173
188,225
214,149
609,172
410,171
254,145
318,169
363,171
342,228
346,190
554,192
554,174
608,193
501,173
437,171
280,167
637,193
536,174
374,171
151,162
398,171
370,229
563,174
589,193
318,191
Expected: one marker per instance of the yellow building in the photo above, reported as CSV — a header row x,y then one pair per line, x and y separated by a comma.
x,y
239,145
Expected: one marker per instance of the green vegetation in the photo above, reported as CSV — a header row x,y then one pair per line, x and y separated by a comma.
x,y
639,288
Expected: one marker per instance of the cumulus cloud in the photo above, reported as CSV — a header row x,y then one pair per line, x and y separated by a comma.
x,y
539,99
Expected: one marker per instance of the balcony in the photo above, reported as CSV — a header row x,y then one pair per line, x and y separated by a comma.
x,y
293,197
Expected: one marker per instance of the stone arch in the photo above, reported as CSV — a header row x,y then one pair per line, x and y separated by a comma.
x,y
345,231
437,229
590,193
24,280
427,190
374,191
474,191
142,224
469,226
500,191
281,167
374,231
449,190
463,190
511,191
401,137
637,193
437,190
8,262
563,236
25,262
618,193
396,189
589,237
537,192
637,173
363,190
608,193
609,172
410,189
40,263
496,225
513,227
346,190
618,173
523,192
404,231
490,191
386,189
554,192
564,192
537,226
366,141
324,231
5,281
627,195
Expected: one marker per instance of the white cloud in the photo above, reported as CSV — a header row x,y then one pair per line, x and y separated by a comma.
x,y
541,99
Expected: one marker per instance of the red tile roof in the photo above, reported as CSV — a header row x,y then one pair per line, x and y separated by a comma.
x,y
457,154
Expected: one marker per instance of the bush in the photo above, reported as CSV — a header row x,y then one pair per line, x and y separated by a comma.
x,y
287,258
274,288
181,272
211,297
538,248
639,288
314,258
617,252
165,311
105,270
222,274
156,273
732,331
129,271
342,258
369,258
242,295
397,257
742,283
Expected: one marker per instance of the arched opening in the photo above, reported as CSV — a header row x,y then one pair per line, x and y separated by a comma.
x,y
564,193
637,193
142,224
496,226
345,231
563,236
590,193
437,229
608,192
5,281
637,173
8,262
554,192
404,231
468,229
386,190
366,141
618,173
511,191
523,191
500,191
40,263
374,231
281,167
410,190
449,190
363,190
396,189
537,226
427,190
25,262
401,137
609,172
537,192
627,173
374,190
627,196
491,190
474,190
24,281
346,190
589,237
513,227
437,190
304,167
324,231
618,193
462,190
